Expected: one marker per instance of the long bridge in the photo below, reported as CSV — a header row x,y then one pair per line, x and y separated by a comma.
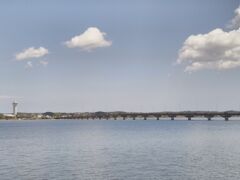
x,y
226,115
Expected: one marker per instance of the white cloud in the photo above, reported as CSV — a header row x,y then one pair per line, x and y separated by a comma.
x,y
31,53
90,39
29,65
235,22
217,49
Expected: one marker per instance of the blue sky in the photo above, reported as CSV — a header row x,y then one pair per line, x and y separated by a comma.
x,y
137,72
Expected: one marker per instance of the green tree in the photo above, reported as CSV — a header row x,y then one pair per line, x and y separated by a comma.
x,y
1,116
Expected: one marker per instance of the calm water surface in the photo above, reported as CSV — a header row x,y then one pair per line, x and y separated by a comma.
x,y
81,149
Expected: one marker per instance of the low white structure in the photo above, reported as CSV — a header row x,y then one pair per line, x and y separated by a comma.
x,y
9,115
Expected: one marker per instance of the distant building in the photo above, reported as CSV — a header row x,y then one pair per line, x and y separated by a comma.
x,y
14,106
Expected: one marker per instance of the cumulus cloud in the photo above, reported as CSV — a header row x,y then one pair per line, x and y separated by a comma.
x,y
235,22
90,39
31,53
217,49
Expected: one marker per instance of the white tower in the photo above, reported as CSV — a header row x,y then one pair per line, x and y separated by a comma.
x,y
14,104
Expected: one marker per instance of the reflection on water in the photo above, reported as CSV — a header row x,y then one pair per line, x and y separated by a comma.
x,y
72,149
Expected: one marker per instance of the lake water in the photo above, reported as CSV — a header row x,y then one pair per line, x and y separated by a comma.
x,y
119,150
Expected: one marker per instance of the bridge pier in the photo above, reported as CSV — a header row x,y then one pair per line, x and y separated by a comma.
x,y
209,117
189,118
226,118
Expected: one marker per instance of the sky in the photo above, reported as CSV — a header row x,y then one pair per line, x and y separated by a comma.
x,y
138,55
